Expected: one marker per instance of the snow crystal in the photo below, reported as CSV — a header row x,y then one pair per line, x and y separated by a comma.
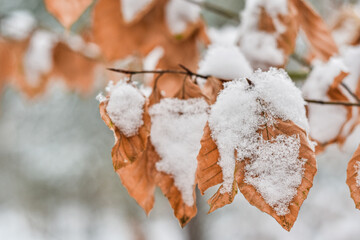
x,y
179,14
234,120
260,47
130,8
38,57
176,131
226,62
18,25
325,121
357,168
125,107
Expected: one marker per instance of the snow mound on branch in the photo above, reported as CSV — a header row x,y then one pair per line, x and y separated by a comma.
x,y
125,107
226,62
18,25
261,47
130,8
179,14
38,58
176,131
325,120
234,121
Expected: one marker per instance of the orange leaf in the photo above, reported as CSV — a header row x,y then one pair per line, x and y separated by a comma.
x,y
287,128
353,176
321,41
67,11
127,149
139,178
77,70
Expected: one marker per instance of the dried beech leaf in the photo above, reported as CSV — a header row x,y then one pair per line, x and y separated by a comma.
x,y
211,88
67,11
189,90
321,41
287,128
77,70
139,178
182,211
352,175
209,173
127,149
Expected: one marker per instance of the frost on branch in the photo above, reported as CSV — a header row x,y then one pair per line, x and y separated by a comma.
x,y
176,130
353,177
257,140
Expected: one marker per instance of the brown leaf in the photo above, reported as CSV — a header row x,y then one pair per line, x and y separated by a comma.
x,y
287,128
212,87
127,149
321,41
139,178
143,36
209,173
352,174
74,68
182,211
67,11
189,90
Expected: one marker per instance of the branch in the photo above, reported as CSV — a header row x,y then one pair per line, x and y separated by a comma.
x,y
217,9
350,92
187,72
350,104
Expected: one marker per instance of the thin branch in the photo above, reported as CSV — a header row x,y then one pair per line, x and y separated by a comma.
x,y
217,9
350,92
158,71
333,103
187,72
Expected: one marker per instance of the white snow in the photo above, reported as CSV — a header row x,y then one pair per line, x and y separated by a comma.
x,y
179,14
234,120
226,62
18,25
226,35
38,57
130,8
260,47
325,121
176,131
125,107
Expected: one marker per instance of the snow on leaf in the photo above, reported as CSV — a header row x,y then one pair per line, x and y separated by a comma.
x,y
353,177
268,32
133,11
255,140
127,149
176,131
225,62
280,182
67,11
317,32
327,122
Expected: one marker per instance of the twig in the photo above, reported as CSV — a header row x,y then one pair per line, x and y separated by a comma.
x,y
350,92
333,103
190,73
158,71
217,9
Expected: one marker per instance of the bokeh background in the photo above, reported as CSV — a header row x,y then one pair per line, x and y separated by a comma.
x,y
57,179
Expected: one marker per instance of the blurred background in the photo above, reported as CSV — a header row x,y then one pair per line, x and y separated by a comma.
x,y
57,180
